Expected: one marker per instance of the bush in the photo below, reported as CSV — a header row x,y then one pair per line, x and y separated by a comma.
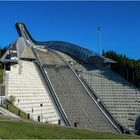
x,y
12,99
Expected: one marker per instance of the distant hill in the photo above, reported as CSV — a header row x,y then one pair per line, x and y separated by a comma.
x,y
126,67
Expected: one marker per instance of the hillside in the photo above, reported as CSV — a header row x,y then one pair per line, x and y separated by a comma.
x,y
29,130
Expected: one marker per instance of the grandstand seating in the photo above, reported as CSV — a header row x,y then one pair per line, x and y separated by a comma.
x,y
77,104
120,97
26,83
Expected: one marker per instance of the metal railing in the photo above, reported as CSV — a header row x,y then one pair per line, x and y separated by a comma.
x,y
118,126
52,91
95,98
45,75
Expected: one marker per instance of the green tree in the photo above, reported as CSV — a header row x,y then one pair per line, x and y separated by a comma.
x,y
127,68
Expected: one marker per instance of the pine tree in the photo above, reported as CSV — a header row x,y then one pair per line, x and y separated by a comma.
x,y
127,68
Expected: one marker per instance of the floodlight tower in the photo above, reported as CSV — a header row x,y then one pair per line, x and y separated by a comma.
x,y
100,40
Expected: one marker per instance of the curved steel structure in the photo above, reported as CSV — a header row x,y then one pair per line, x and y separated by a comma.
x,y
80,53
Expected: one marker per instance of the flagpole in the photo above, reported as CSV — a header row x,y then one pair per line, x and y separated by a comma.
x,y
100,40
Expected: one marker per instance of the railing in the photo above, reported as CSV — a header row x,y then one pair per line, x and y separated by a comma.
x,y
28,38
121,128
118,126
52,91
95,98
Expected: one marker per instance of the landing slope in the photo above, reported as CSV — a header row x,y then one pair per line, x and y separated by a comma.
x,y
78,106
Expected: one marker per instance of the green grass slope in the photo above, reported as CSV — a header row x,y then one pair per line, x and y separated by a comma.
x,y
28,130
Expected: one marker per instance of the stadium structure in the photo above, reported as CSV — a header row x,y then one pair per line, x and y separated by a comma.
x,y
64,84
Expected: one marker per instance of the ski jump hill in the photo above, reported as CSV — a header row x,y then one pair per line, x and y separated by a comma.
x,y
64,84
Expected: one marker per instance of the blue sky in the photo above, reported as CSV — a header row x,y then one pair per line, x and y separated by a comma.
x,y
76,22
